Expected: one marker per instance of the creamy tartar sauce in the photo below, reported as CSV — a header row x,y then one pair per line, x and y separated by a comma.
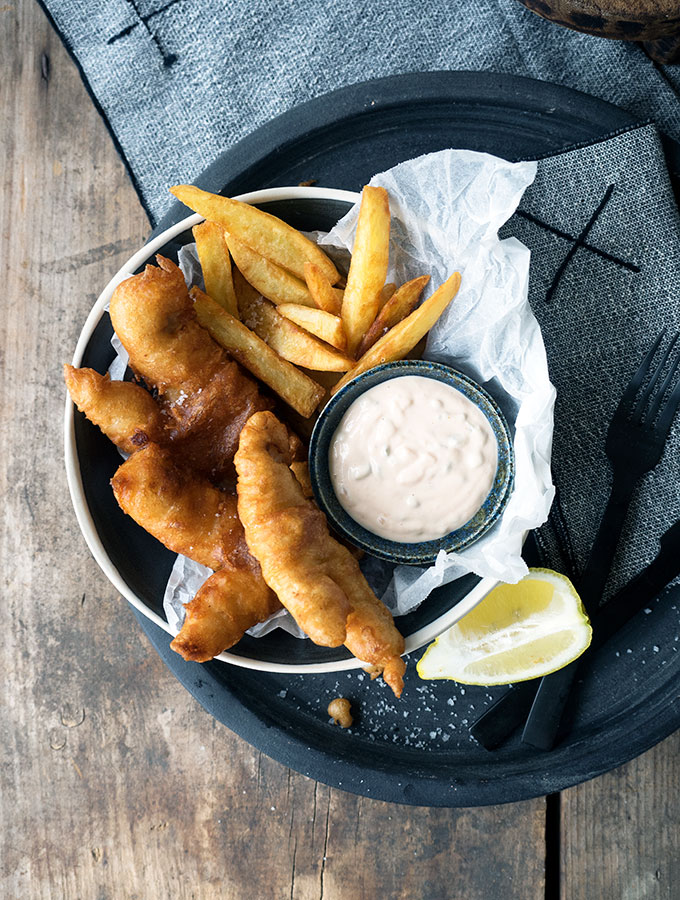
x,y
412,459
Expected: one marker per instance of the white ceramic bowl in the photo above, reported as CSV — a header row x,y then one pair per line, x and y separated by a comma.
x,y
134,562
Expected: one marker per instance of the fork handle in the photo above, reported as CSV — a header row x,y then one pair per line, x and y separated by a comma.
x,y
592,583
546,712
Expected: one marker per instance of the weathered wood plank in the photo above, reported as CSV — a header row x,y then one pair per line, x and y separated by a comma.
x,y
621,832
113,782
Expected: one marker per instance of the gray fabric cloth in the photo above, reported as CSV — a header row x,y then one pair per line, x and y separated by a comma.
x,y
180,81
598,320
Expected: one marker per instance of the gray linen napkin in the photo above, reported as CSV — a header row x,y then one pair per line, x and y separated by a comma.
x,y
180,81
600,300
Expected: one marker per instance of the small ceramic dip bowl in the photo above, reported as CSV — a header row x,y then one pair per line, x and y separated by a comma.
x,y
423,552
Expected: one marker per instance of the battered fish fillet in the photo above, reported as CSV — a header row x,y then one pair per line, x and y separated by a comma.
x,y
126,413
192,517
315,577
229,603
182,510
206,396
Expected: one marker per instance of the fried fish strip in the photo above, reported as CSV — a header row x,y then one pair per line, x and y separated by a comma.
x,y
315,577
182,510
229,603
206,396
126,413
190,516
285,533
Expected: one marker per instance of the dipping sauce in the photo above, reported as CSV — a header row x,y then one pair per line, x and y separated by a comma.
x,y
412,459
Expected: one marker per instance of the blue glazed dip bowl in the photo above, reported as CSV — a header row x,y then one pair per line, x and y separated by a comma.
x,y
425,552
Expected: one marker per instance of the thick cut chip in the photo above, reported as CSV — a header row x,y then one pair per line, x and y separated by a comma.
x,y
213,256
288,339
404,336
323,324
324,295
245,292
400,305
266,277
263,233
292,385
368,269
387,293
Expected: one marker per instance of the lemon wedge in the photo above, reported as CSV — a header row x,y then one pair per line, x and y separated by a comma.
x,y
517,632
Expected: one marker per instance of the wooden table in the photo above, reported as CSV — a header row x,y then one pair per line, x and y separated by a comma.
x,y
114,783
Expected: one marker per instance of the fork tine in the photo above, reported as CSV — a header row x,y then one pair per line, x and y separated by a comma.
x,y
670,407
639,409
637,379
661,393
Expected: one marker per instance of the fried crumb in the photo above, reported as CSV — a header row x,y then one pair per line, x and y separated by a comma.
x,y
339,711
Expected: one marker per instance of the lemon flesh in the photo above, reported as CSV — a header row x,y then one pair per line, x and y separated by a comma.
x,y
517,632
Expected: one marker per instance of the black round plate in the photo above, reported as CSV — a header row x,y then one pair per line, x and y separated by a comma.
x,y
418,750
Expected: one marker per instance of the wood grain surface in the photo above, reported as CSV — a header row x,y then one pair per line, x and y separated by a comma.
x,y
114,783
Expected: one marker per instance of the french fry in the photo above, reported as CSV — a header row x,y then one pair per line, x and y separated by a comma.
x,y
270,280
288,340
293,386
401,339
323,324
216,265
400,305
388,291
263,233
324,295
368,268
244,291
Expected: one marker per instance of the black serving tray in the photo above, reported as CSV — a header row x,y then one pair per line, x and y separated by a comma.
x,y
418,750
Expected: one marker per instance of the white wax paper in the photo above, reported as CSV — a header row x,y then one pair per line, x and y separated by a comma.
x,y
446,210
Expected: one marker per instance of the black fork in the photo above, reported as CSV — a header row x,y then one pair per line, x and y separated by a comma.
x,y
635,442
634,445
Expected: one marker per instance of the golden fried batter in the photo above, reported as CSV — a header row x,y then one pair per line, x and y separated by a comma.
x,y
190,516
125,412
229,603
182,510
286,533
371,633
315,577
207,397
